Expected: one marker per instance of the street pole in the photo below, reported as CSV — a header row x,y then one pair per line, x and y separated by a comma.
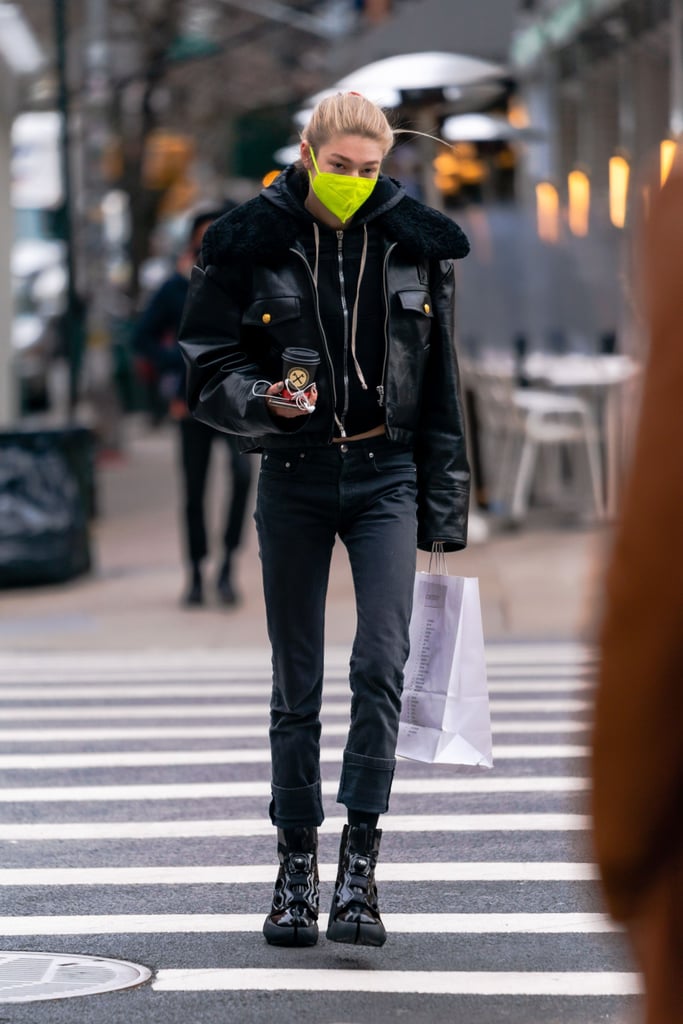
x,y
101,385
8,390
72,322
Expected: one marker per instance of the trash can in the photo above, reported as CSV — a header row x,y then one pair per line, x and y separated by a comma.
x,y
46,501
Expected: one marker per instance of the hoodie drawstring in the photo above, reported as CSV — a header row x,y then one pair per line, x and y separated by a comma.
x,y
316,237
354,315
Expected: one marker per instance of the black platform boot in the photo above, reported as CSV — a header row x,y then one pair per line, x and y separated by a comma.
x,y
354,916
293,919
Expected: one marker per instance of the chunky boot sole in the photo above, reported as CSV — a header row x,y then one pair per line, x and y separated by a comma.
x,y
290,935
356,933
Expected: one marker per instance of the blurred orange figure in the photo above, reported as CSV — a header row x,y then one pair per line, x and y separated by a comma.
x,y
638,738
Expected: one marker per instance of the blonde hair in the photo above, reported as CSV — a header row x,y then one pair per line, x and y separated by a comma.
x,y
348,113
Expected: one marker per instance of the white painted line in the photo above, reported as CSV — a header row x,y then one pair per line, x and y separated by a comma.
x,y
93,712
409,924
243,790
129,734
253,874
232,710
477,983
238,828
536,726
547,750
242,755
552,653
164,690
546,686
255,680
94,734
257,658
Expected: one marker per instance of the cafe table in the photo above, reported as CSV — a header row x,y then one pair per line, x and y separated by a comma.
x,y
611,384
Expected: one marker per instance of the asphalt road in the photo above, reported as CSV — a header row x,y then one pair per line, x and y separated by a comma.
x,y
133,802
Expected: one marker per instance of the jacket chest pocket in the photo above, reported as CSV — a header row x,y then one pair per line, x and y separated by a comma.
x,y
416,314
272,312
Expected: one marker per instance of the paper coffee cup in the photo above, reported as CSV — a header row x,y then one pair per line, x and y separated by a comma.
x,y
299,367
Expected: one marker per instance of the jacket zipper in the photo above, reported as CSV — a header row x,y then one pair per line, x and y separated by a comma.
x,y
385,286
320,327
345,314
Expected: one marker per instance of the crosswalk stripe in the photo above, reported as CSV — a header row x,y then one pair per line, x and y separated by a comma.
x,y
230,709
239,828
90,734
513,654
256,678
49,672
27,692
158,758
155,758
409,924
242,790
474,983
252,874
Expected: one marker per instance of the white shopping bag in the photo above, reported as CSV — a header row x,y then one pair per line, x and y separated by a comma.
x,y
445,715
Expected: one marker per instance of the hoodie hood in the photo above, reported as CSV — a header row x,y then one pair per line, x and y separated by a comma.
x,y
257,230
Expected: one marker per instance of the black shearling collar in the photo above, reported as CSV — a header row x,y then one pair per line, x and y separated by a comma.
x,y
261,231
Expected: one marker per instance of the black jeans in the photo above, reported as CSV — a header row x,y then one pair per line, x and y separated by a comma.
x,y
196,442
365,493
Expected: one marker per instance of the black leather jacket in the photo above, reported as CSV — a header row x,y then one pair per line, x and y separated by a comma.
x,y
253,295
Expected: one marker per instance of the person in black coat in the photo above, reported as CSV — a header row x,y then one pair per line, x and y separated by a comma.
x,y
335,258
156,339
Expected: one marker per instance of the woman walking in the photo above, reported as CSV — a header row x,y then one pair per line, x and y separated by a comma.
x,y
334,256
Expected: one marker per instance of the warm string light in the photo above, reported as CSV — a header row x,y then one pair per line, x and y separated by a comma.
x,y
547,212
579,203
667,152
619,172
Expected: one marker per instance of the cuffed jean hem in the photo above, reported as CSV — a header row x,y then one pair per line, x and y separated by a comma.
x,y
365,782
301,806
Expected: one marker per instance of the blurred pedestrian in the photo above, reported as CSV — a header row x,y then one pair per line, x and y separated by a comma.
x,y
156,337
638,740
336,257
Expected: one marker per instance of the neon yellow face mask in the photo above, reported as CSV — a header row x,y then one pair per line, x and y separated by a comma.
x,y
342,194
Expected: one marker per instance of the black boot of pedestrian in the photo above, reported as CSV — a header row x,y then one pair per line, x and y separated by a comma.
x,y
293,919
354,916
195,591
224,584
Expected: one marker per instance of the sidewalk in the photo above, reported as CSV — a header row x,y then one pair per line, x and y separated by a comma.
x,y
536,584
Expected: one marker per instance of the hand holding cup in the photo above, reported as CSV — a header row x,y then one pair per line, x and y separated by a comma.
x,y
296,393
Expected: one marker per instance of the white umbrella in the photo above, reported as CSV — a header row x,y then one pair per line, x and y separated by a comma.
x,y
385,80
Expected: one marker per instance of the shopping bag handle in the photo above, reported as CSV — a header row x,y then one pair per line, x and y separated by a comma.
x,y
437,556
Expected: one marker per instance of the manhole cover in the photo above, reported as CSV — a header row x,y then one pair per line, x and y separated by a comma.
x,y
27,977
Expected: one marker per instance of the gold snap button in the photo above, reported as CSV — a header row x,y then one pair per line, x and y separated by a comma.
x,y
427,308
266,318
